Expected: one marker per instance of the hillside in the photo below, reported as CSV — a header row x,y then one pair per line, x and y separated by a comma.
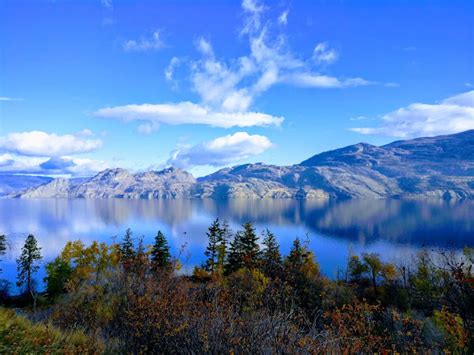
x,y
436,167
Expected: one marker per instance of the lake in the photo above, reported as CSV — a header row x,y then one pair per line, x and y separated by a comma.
x,y
394,228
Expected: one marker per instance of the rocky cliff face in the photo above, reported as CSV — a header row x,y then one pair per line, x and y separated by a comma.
x,y
441,167
438,167
120,183
57,188
10,183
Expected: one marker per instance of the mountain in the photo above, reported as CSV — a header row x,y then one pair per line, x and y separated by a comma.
x,y
10,183
440,166
435,167
118,183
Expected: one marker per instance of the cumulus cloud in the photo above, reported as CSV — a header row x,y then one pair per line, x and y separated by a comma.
x,y
205,47
16,164
187,113
38,152
6,160
144,44
323,54
39,143
220,151
56,163
452,115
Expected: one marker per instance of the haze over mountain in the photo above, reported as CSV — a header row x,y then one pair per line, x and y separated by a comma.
x,y
435,167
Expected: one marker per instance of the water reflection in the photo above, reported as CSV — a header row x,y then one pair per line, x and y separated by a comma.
x,y
390,227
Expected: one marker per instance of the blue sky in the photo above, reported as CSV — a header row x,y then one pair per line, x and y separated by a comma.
x,y
86,85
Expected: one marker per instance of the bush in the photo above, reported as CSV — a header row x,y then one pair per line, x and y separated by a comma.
x,y
19,335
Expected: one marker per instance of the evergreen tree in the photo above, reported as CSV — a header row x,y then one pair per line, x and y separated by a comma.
x,y
244,249
250,247
295,259
302,274
214,236
222,246
127,251
140,262
160,253
27,263
271,257
3,247
234,260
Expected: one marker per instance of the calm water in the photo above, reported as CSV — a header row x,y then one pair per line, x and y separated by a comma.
x,y
395,229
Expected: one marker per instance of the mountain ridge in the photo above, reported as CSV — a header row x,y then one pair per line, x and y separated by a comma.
x,y
427,167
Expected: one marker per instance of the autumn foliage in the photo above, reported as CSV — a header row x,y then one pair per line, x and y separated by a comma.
x,y
248,298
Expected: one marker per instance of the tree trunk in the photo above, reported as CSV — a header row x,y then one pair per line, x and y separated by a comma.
x,y
374,282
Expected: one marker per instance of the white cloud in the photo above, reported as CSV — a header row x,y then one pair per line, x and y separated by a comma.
x,y
85,133
107,3
454,114
220,151
144,44
253,10
64,166
10,163
283,18
148,127
228,87
86,166
187,113
359,118
39,143
205,47
232,85
323,81
6,98
322,54
169,71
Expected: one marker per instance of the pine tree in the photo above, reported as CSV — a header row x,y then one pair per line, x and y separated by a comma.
x,y
250,247
127,251
222,246
3,247
295,259
213,235
140,262
27,263
160,253
302,274
271,257
234,260
244,249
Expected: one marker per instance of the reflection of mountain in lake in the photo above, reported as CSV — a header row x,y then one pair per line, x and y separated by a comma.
x,y
430,222
392,228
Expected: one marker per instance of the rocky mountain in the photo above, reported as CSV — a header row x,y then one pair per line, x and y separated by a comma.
x,y
119,183
10,183
437,167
